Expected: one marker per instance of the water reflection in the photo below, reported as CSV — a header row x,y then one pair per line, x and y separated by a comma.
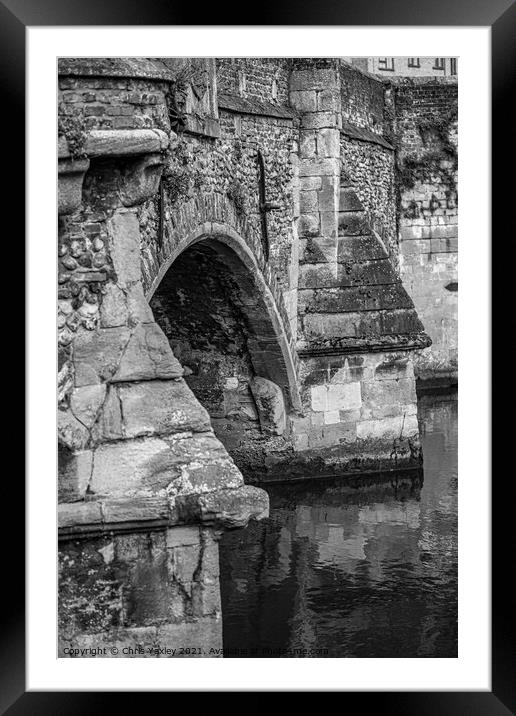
x,y
362,570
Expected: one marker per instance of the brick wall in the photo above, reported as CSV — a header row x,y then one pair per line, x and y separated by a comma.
x,y
362,98
254,78
113,103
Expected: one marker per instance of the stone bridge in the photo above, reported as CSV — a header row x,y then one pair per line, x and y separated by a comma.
x,y
230,313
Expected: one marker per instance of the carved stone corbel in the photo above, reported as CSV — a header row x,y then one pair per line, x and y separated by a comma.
x,y
139,174
71,175
140,179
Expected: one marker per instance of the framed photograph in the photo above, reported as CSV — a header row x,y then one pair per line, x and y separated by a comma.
x,y
250,236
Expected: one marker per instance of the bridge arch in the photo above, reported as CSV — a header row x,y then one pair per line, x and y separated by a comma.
x,y
222,318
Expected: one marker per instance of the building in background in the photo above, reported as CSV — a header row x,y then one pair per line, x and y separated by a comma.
x,y
407,66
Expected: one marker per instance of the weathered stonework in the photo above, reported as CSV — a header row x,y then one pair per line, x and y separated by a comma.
x,y
130,429
229,307
425,114
144,594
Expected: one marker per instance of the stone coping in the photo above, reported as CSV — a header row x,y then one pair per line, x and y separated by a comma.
x,y
225,509
376,344
426,80
131,67
119,142
364,135
234,103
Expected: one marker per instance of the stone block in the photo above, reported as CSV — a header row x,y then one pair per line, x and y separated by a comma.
x,y
304,100
317,276
350,416
206,475
113,308
344,396
409,233
85,402
319,398
147,356
184,563
135,509
328,100
319,167
388,428
337,433
210,557
328,143
308,224
310,183
109,426
328,195
74,472
75,514
329,225
314,79
308,202
71,176
346,299
331,417
178,536
70,431
232,508
270,405
307,145
124,244
320,249
360,248
137,305
97,354
319,120
102,142
392,367
133,467
161,407
206,599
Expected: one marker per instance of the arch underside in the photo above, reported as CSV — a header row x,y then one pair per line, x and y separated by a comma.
x,y
224,328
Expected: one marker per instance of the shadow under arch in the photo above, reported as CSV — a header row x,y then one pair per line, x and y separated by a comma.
x,y
208,255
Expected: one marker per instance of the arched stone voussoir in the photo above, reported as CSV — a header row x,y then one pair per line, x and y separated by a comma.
x,y
262,302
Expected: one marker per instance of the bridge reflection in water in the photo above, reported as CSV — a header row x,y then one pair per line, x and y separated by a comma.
x,y
366,571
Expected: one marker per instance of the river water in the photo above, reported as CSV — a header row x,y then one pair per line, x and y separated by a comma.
x,y
362,570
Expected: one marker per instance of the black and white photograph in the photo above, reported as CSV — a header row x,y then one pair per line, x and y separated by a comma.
x,y
257,413
257,356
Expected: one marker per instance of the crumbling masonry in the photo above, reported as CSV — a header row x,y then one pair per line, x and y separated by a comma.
x,y
231,312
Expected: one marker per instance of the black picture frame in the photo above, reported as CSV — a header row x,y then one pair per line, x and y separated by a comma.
x,y
500,15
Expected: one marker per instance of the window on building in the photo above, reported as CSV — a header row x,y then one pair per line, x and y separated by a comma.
x,y
439,63
386,63
413,62
453,65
